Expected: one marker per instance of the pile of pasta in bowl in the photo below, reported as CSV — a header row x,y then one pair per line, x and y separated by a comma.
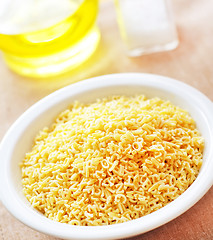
x,y
111,161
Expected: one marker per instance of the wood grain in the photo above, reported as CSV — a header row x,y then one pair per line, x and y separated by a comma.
x,y
191,63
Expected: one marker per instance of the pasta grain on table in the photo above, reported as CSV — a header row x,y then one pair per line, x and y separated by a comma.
x,y
111,161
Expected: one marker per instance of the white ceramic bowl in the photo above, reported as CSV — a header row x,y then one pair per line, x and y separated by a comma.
x,y
18,140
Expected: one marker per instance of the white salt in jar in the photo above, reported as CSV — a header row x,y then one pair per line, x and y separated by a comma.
x,y
146,26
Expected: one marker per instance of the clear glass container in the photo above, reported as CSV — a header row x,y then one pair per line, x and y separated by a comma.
x,y
146,26
41,38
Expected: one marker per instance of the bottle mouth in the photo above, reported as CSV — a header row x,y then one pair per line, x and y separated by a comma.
x,y
22,16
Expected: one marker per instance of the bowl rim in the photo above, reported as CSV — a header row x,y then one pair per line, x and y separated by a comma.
x,y
126,229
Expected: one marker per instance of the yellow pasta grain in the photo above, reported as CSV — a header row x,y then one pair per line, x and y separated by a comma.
x,y
111,161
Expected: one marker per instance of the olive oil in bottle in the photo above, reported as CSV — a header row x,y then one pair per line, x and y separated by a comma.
x,y
44,48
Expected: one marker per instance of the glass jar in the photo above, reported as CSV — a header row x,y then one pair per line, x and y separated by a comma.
x,y
41,38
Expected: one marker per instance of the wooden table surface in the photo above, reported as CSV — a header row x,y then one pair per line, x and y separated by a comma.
x,y
191,62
